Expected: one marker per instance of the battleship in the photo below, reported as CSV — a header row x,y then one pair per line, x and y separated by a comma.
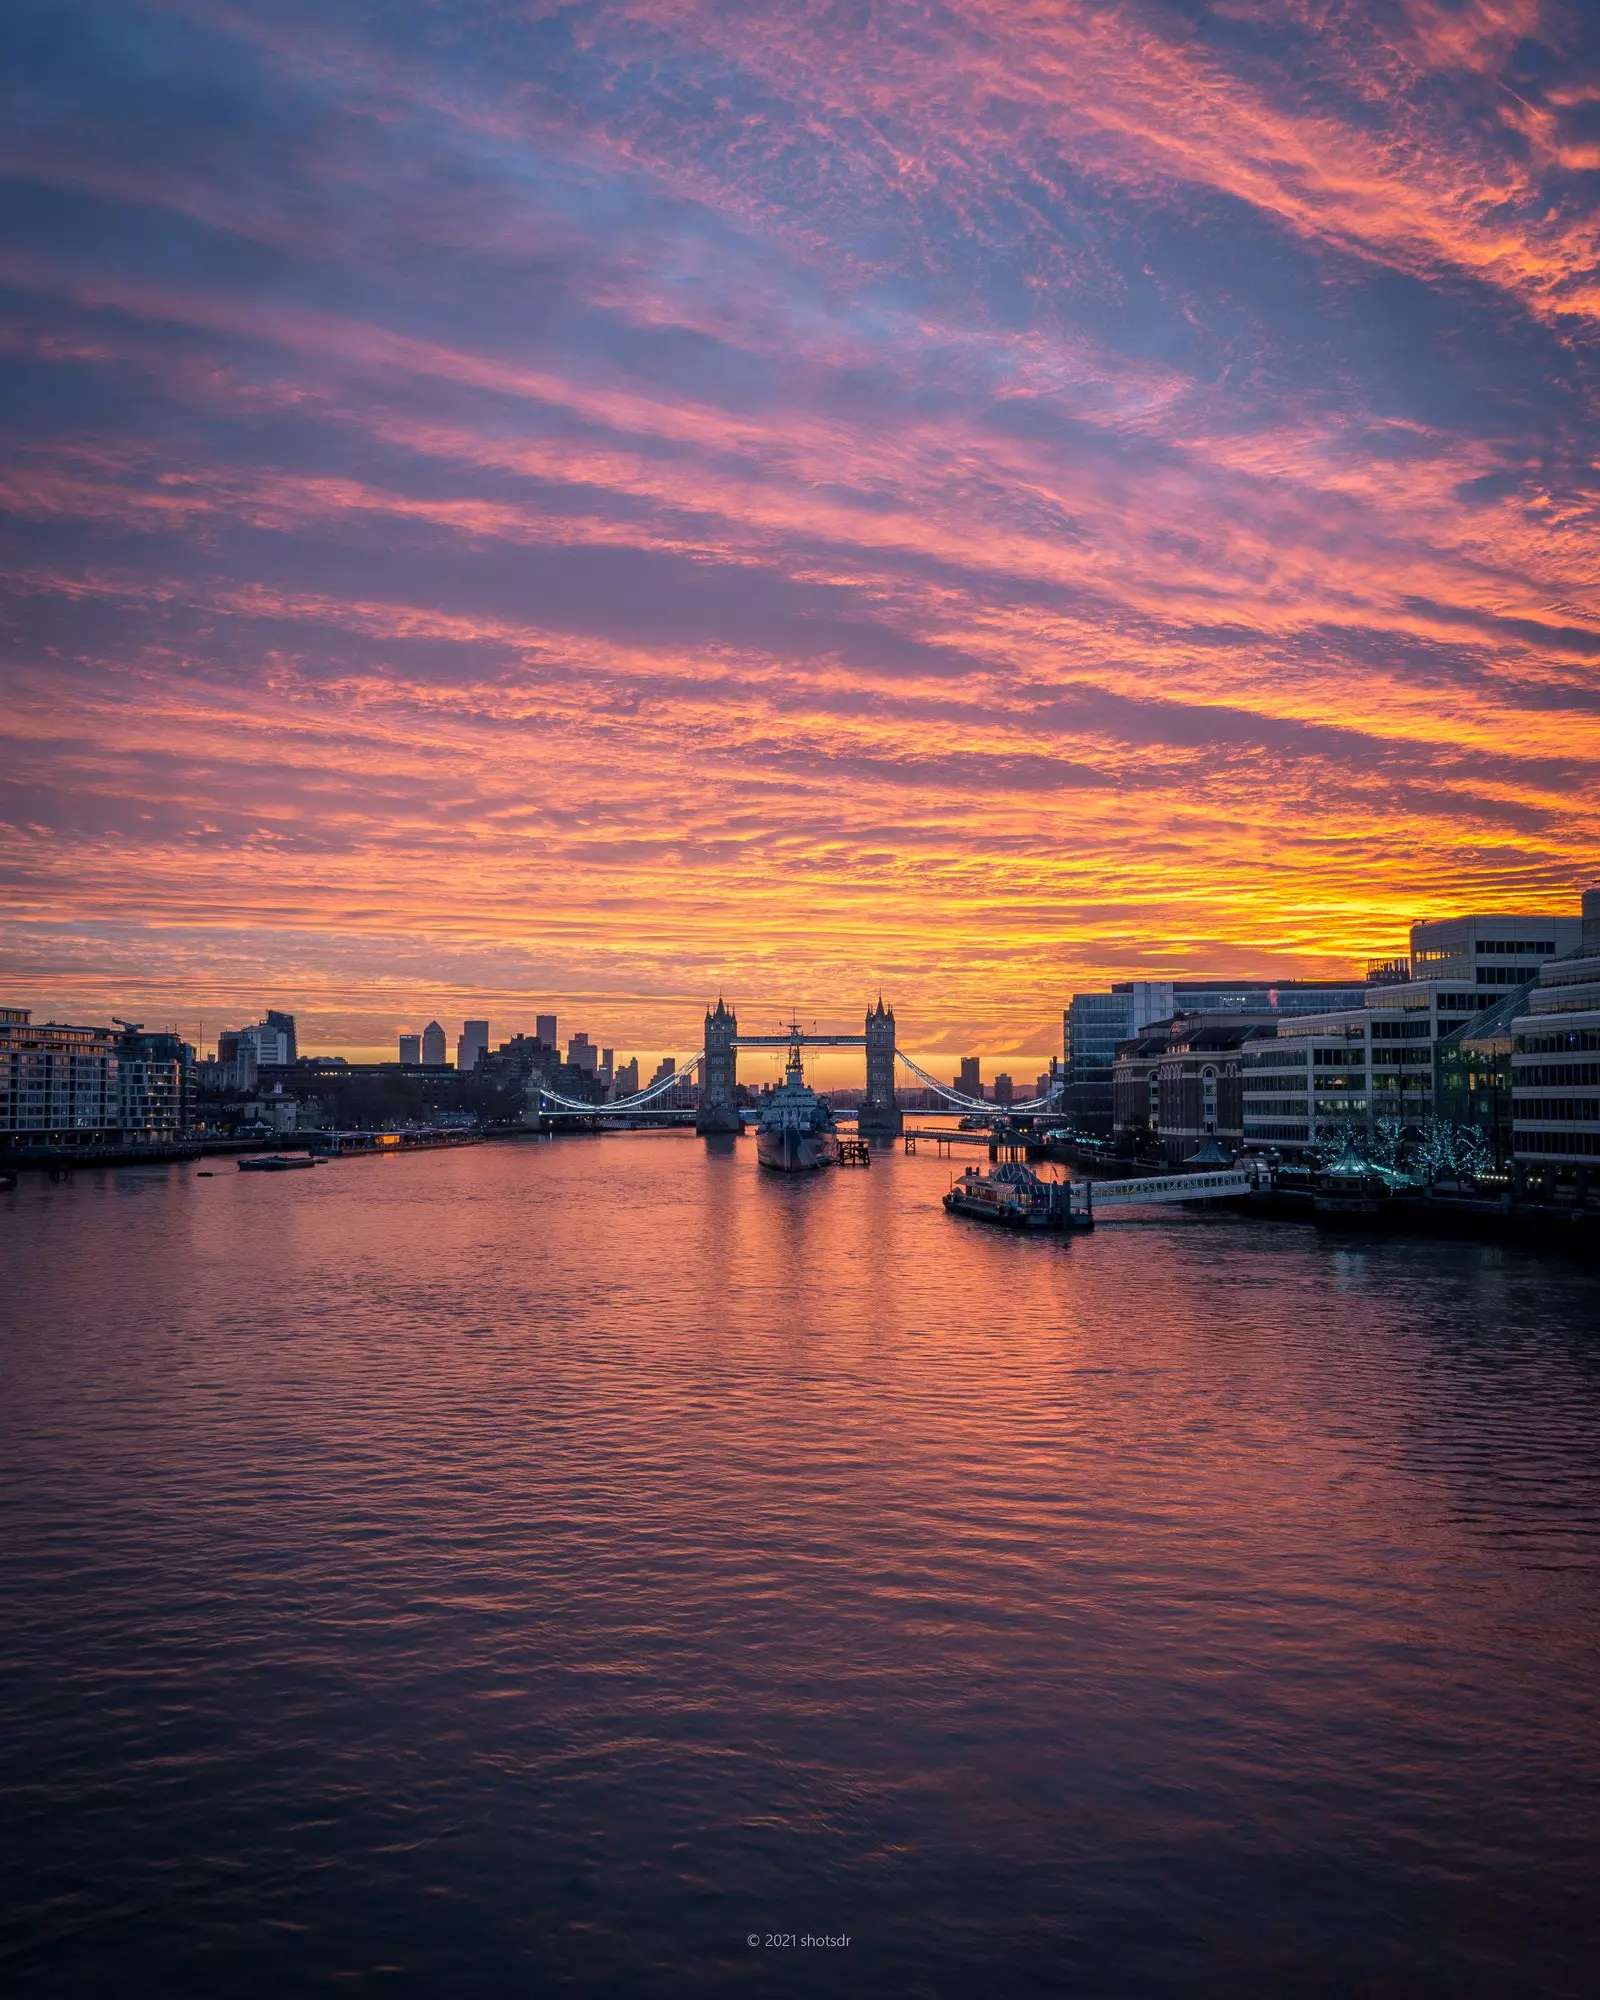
x,y
796,1132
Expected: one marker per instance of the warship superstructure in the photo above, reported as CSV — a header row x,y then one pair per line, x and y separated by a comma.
x,y
796,1132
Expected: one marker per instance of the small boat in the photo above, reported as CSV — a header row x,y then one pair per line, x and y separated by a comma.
x,y
275,1163
1014,1197
796,1132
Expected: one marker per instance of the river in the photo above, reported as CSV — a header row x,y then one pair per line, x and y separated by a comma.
x,y
550,1567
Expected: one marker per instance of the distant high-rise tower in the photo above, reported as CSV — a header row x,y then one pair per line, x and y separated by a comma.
x,y
719,1077
433,1044
284,1023
472,1042
544,1029
880,1117
411,1048
970,1081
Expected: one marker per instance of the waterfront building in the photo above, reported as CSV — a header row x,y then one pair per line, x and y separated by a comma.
x,y
1472,1075
154,1085
1555,1067
1199,1080
433,1045
970,1080
1135,1086
411,1048
544,1029
58,1084
1095,1025
1359,1068
472,1042
1488,953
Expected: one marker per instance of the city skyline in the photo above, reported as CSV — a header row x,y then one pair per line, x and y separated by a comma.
x,y
618,502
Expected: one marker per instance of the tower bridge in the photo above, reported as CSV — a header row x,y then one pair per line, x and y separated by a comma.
x,y
716,1062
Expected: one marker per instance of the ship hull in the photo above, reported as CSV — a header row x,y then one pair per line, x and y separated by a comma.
x,y
796,1152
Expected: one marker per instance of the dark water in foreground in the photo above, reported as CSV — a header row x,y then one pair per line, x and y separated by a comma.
x,y
543,1568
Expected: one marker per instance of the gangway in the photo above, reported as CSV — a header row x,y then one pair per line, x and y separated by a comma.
x,y
1172,1187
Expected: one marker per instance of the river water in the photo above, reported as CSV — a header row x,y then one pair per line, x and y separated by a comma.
x,y
550,1566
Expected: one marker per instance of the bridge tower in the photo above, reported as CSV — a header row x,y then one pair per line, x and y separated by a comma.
x,y
719,1075
880,1119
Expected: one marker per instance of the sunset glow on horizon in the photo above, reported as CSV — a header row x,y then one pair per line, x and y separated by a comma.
x,y
586,508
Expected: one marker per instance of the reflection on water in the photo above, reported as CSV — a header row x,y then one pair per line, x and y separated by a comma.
x,y
543,1567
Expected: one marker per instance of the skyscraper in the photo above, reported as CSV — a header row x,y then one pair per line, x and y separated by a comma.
x,y
472,1042
544,1029
411,1048
433,1044
970,1081
284,1023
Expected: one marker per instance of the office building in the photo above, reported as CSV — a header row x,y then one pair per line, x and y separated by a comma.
x,y
544,1029
472,1042
284,1023
265,1043
1003,1092
625,1081
1555,1067
58,1085
665,1068
1358,1067
1488,954
970,1080
433,1045
582,1054
411,1048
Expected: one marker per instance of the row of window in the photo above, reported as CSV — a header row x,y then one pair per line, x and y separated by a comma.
x,y
1585,1144
1276,1059
1543,1075
1504,975
1402,1031
1554,1045
1292,1134
1515,948
1273,1107
1582,1110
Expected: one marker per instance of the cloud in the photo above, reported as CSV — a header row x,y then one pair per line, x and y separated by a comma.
x,y
633,499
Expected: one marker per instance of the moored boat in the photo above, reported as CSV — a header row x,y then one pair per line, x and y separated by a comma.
x,y
1014,1197
274,1163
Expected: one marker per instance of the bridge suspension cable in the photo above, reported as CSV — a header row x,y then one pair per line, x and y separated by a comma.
x,y
636,1102
965,1103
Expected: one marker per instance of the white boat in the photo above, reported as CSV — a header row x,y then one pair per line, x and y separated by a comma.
x,y
796,1132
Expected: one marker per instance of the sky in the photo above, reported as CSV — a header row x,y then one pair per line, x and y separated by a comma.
x,y
522,507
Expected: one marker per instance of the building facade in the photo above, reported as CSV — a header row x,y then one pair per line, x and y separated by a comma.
x,y
1199,1082
411,1048
1487,954
433,1045
155,1086
1555,1068
58,1084
472,1042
